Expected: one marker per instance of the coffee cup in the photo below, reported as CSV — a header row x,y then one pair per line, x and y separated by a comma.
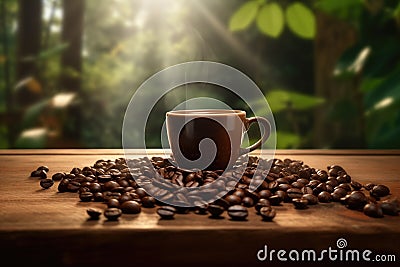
x,y
210,139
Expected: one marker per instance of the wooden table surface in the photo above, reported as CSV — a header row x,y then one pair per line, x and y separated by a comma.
x,y
49,228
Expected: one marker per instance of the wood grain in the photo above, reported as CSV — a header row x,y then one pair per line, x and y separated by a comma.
x,y
51,228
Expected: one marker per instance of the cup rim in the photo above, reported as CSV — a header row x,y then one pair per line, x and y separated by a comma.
x,y
206,112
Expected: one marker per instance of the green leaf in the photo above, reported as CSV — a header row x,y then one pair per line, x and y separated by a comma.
x,y
279,100
270,20
301,20
244,16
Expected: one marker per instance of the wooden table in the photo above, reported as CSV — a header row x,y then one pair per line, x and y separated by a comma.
x,y
51,229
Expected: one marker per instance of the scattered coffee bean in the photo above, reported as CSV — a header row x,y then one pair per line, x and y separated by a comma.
x,y
148,202
356,200
380,191
238,212
248,202
166,212
369,186
275,200
112,214
58,176
117,182
44,168
262,202
215,210
233,200
389,208
113,203
130,207
46,183
86,196
267,213
311,199
94,213
300,203
39,173
324,197
373,210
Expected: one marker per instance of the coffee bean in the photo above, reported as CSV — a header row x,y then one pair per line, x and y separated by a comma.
x,y
294,193
104,178
113,203
239,193
275,200
345,186
336,197
73,186
94,213
58,176
238,212
306,190
389,208
283,195
324,197
233,200
262,202
148,202
319,188
166,212
98,197
373,210
42,174
380,191
284,187
130,207
297,185
44,168
356,200
215,210
222,202
110,185
300,203
46,183
267,213
86,196
341,192
112,214
248,202
369,186
356,185
335,170
332,182
265,194
201,208
311,199
141,192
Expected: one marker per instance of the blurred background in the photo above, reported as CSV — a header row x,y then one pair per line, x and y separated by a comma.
x,y
330,69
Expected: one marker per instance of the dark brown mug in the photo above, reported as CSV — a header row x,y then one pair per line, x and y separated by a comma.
x,y
210,139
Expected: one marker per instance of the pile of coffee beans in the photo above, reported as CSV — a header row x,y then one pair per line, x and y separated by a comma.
x,y
115,183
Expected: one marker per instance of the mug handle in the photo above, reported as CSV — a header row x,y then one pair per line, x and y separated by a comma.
x,y
267,132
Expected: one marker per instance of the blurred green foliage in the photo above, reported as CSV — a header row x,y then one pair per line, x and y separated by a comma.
x,y
125,42
374,60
